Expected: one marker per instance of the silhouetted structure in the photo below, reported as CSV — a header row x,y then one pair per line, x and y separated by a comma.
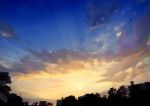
x,y
42,103
4,89
70,101
134,94
15,100
11,99
7,98
139,93
59,102
26,103
49,104
35,104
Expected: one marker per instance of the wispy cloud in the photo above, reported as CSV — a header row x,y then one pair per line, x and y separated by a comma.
x,y
113,48
128,68
68,72
98,13
7,31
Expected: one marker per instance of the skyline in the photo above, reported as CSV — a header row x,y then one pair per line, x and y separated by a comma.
x,y
73,46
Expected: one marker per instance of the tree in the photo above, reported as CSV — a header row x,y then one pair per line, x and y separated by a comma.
x,y
122,92
112,93
15,100
69,101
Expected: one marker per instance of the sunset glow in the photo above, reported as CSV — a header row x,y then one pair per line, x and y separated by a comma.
x,y
56,48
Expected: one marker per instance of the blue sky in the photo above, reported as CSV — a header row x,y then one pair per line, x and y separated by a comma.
x,y
28,17
68,24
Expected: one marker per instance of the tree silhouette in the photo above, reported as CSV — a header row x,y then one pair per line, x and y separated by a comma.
x,y
70,101
122,92
112,93
90,99
135,94
15,100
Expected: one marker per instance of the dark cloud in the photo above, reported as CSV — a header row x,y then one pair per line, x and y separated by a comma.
x,y
63,54
38,60
139,37
27,64
142,30
98,12
7,31
4,69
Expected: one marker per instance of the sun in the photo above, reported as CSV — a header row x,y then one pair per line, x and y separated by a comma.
x,y
80,86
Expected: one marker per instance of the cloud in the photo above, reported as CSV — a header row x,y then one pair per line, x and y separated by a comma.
x,y
7,31
114,69
63,55
99,12
141,30
27,64
64,71
60,61
4,69
127,68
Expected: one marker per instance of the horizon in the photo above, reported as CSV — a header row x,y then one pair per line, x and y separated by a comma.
x,y
73,47
102,94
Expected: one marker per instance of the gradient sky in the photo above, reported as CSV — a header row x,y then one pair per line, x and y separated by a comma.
x,y
56,48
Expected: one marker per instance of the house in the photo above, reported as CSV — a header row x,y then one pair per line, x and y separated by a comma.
x,y
45,103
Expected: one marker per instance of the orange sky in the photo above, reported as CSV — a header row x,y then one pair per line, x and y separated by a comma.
x,y
78,77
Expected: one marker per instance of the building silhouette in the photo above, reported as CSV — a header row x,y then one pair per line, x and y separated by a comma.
x,y
42,103
4,89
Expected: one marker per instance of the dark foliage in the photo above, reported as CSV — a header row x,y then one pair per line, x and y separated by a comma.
x,y
15,100
138,95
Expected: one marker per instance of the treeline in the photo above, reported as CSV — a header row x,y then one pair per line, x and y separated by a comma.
x,y
14,100
138,94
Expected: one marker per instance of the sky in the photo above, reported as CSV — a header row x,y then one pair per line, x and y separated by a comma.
x,y
57,48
